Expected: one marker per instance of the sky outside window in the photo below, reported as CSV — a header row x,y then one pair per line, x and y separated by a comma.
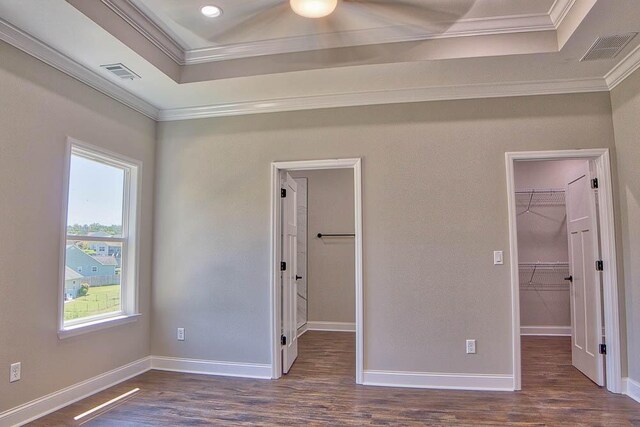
x,y
96,193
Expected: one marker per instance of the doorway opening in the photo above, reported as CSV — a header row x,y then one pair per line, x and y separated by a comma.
x,y
316,261
564,302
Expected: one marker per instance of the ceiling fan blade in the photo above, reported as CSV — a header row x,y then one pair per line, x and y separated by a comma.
x,y
437,16
255,24
224,31
329,44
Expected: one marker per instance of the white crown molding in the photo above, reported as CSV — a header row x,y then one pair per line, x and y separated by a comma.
x,y
631,388
549,331
58,60
623,69
52,402
139,20
559,10
331,326
211,367
442,93
374,36
438,380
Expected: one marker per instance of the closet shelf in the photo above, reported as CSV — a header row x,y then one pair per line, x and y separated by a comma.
x,y
531,198
535,276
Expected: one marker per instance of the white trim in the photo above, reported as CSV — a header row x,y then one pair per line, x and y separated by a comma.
x,y
331,326
139,20
275,301
623,69
631,388
69,66
609,276
98,325
475,27
392,96
52,402
559,10
433,380
546,331
211,367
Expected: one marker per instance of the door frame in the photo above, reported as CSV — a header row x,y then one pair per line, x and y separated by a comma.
x,y
610,301
275,294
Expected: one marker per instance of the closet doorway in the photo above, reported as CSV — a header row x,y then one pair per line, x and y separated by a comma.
x,y
317,268
564,300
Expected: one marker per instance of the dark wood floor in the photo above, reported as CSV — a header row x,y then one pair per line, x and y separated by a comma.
x,y
320,390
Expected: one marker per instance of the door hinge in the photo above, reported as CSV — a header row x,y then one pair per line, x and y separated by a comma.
x,y
599,265
603,349
283,192
283,266
594,183
283,340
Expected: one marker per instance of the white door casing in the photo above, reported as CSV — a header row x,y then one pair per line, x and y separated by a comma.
x,y
289,285
586,305
277,168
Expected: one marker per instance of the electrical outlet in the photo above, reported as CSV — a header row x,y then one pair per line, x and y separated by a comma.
x,y
14,373
180,334
471,346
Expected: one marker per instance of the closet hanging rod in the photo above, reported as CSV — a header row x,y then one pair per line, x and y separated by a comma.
x,y
321,235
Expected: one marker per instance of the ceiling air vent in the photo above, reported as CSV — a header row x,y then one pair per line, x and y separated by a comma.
x,y
607,47
120,71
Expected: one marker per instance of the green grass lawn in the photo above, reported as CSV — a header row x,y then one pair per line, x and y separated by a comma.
x,y
99,300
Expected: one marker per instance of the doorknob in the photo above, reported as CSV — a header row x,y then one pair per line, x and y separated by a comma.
x,y
298,277
570,278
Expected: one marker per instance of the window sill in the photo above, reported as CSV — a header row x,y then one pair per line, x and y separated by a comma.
x,y
84,328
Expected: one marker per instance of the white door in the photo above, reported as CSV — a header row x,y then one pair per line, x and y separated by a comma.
x,y
586,313
289,270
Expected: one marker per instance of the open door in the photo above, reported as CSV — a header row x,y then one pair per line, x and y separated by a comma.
x,y
289,270
585,297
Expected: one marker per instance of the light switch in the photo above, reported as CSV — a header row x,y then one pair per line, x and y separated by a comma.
x,y
498,258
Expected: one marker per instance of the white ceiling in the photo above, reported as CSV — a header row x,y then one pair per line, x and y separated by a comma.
x,y
516,63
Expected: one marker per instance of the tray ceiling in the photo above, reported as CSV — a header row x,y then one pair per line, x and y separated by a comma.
x,y
497,48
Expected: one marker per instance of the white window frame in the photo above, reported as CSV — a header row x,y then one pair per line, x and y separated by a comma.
x,y
94,268
130,240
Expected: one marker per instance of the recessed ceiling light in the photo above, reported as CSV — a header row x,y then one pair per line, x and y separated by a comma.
x,y
313,8
211,11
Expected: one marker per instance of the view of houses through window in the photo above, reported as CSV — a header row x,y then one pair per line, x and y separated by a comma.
x,y
95,239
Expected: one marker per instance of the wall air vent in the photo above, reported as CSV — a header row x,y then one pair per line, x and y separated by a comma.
x,y
120,71
607,47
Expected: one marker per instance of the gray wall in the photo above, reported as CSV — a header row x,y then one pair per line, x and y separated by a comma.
x,y
435,207
626,118
40,107
331,260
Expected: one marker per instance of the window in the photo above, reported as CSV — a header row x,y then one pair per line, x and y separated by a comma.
x,y
102,206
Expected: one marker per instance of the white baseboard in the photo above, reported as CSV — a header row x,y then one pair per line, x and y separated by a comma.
x,y
302,329
331,326
631,388
211,367
52,402
551,331
439,380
